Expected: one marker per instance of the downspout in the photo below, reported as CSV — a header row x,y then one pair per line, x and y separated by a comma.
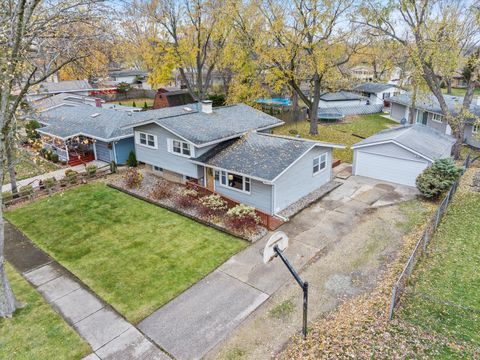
x,y
95,149
114,153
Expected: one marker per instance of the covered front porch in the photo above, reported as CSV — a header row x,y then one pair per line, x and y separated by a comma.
x,y
74,150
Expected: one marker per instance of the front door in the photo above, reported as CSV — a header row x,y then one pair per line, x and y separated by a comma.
x,y
422,117
210,184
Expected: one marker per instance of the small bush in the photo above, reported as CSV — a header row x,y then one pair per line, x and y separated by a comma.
x,y
145,106
91,170
293,132
161,190
49,183
133,178
72,176
212,205
31,130
26,190
43,152
186,198
242,218
134,104
132,159
69,171
7,196
54,157
438,178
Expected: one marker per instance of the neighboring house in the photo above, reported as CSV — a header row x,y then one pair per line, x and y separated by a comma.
x,y
46,89
377,93
228,150
399,155
65,99
363,73
132,76
427,112
340,98
168,97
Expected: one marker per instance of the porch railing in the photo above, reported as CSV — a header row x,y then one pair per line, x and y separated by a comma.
x,y
271,222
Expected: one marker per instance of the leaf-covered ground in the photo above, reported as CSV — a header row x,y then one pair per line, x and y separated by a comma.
x,y
343,133
420,329
28,166
36,331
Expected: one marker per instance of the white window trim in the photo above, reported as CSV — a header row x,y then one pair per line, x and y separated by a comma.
x,y
435,116
137,140
475,129
319,162
190,146
233,188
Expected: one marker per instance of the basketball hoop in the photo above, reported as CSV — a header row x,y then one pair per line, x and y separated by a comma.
x,y
280,239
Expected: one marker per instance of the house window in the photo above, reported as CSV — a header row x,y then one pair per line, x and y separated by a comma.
x,y
157,168
319,163
234,181
147,140
386,95
437,118
475,129
181,148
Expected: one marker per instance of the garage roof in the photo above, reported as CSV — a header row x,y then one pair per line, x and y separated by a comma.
x,y
425,141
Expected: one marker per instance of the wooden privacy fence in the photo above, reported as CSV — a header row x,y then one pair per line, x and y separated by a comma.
x,y
421,245
267,220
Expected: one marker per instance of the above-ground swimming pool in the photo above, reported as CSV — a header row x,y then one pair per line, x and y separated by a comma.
x,y
275,101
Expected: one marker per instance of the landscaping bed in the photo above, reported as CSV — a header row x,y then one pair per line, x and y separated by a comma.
x,y
36,331
184,200
132,254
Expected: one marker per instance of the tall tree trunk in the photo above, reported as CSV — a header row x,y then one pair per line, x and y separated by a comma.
x,y
449,86
458,133
11,169
8,302
313,113
295,106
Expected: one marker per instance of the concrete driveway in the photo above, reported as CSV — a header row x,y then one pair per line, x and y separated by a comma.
x,y
200,318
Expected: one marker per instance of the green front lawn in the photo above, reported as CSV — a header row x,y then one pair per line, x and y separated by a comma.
x,y
343,133
461,91
134,255
36,331
446,289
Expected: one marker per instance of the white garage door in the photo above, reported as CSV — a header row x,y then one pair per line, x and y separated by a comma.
x,y
400,171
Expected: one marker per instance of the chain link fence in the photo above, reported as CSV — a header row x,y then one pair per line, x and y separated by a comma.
x,y
421,246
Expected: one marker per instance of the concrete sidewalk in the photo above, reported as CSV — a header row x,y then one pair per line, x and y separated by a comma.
x,y
57,174
109,335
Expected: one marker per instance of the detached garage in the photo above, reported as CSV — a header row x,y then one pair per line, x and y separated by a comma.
x,y
399,155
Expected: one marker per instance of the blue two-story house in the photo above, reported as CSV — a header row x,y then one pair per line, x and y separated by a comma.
x,y
230,150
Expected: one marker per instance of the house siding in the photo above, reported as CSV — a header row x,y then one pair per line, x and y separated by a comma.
x,y
398,112
123,148
260,195
471,138
103,152
161,157
299,180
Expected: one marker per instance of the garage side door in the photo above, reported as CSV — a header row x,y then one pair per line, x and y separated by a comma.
x,y
103,152
386,168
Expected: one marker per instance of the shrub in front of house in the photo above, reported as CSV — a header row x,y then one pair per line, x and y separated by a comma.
x,y
132,159
54,157
161,190
212,205
7,196
49,183
186,198
26,190
71,176
91,170
31,130
242,218
438,178
133,178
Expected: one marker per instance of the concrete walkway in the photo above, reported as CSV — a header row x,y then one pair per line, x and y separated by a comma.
x,y
57,174
109,335
200,318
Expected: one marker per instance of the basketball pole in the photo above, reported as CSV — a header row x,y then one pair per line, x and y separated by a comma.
x,y
303,285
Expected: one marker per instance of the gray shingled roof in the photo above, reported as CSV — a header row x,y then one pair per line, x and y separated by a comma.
x,y
371,87
341,96
424,140
224,122
62,86
62,98
430,103
197,127
258,155
67,120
